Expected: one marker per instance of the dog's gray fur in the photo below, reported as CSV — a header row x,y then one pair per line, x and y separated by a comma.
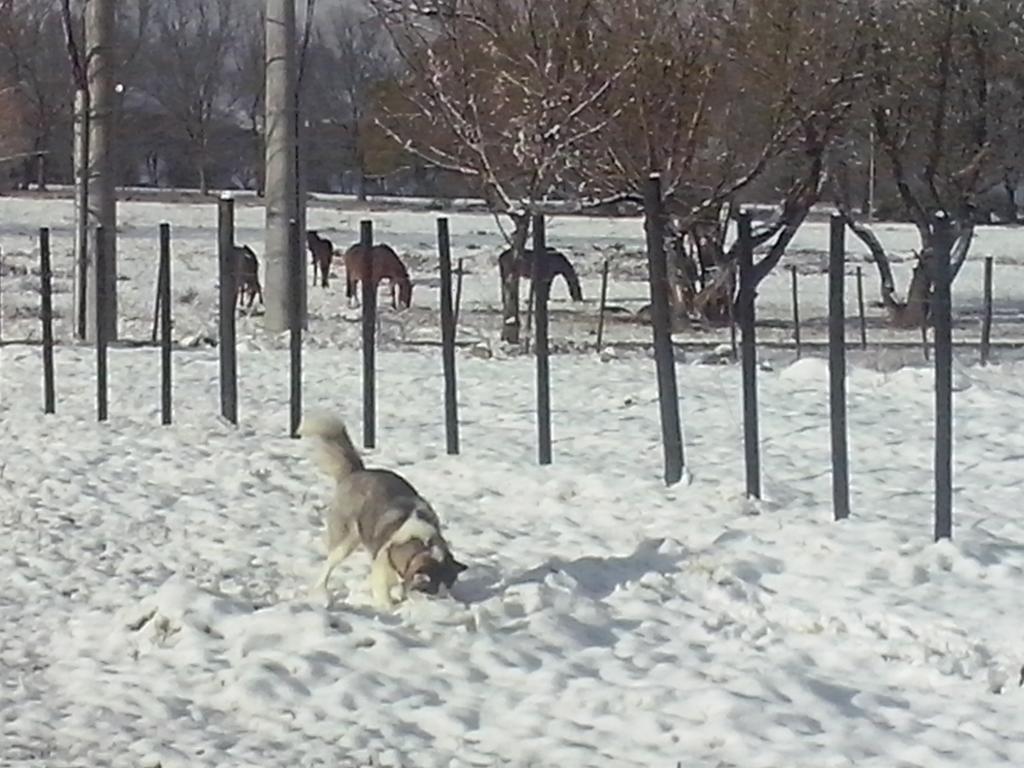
x,y
382,511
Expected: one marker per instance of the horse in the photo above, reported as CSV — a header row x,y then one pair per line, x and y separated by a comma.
x,y
555,263
322,252
386,264
247,276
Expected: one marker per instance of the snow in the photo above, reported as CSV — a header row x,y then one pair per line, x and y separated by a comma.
x,y
477,240
156,604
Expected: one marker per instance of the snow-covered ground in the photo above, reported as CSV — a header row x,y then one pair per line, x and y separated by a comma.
x,y
155,605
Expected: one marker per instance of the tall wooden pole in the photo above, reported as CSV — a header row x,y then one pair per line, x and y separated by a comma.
x,y
281,183
661,323
837,367
942,312
748,353
100,58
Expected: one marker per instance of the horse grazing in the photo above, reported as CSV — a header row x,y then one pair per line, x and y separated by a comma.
x,y
555,263
385,264
247,276
322,251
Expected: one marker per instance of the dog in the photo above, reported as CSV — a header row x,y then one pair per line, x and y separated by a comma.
x,y
382,511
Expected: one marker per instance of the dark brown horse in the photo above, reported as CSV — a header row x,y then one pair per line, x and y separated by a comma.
x,y
555,264
247,276
386,264
322,251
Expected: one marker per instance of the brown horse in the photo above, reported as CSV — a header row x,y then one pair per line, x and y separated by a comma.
x,y
556,264
322,251
247,276
386,264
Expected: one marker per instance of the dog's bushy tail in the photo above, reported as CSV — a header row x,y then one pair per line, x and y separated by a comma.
x,y
334,451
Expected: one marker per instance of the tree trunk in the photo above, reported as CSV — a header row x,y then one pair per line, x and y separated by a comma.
x,y
81,161
1011,201
100,57
360,184
914,313
682,281
510,281
940,237
360,163
280,185
41,172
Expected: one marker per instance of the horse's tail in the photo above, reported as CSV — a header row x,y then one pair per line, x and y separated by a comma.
x,y
562,266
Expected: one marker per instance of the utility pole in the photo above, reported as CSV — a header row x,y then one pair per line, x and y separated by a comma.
x,y
99,46
280,189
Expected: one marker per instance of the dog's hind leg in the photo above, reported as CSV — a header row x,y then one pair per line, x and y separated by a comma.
x,y
336,556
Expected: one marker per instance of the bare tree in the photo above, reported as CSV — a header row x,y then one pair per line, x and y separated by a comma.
x,y
248,89
931,70
717,97
351,58
1006,109
503,92
190,51
31,52
15,138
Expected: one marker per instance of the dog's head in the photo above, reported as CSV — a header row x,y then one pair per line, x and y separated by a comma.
x,y
431,568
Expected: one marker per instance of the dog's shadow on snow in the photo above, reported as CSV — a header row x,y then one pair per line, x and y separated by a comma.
x,y
597,576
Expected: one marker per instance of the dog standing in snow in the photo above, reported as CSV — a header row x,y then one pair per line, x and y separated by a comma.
x,y
382,511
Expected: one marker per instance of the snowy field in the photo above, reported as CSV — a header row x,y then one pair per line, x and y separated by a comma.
x,y
155,606
476,240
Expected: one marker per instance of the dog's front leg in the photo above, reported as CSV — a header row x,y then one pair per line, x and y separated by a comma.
x,y
382,578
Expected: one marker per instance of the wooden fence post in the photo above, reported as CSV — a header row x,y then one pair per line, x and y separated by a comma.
x,y
860,309
942,314
101,323
296,286
748,353
158,297
796,311
1,294
601,306
164,302
451,416
46,315
540,288
664,355
458,293
837,367
228,291
369,336
986,320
